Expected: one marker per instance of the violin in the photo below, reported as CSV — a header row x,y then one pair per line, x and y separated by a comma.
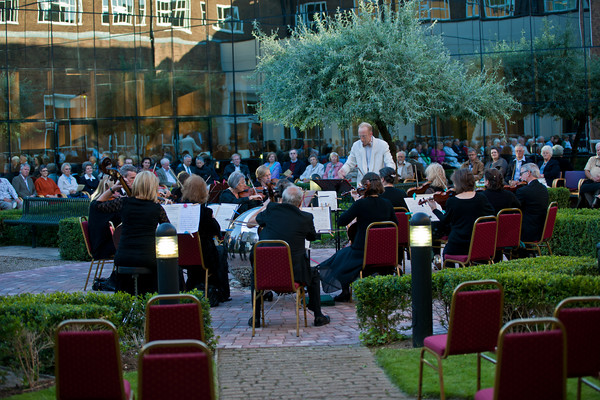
x,y
439,197
419,189
361,191
106,168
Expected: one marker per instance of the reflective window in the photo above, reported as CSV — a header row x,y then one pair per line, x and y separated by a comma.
x,y
173,13
559,5
432,9
229,19
122,11
105,12
60,11
140,16
499,8
9,11
472,8
203,12
306,12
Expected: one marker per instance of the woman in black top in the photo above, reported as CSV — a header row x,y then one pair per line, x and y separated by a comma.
x,y
495,193
461,212
343,267
205,171
237,185
395,196
101,241
140,214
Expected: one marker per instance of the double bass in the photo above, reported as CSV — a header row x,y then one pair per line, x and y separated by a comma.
x,y
106,168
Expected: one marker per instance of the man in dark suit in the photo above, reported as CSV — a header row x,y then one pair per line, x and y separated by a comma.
x,y
298,227
534,203
23,183
186,165
295,166
236,165
513,172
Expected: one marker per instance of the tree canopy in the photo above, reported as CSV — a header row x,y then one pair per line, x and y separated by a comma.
x,y
377,64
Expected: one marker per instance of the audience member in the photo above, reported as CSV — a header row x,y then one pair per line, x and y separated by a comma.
x,y
23,184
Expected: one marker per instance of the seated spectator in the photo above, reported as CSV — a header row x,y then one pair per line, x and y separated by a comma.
x,y
534,203
52,172
88,180
23,184
333,166
458,149
563,162
165,174
451,158
590,189
438,155
496,161
274,165
474,165
186,165
205,171
314,168
66,182
45,186
236,166
413,159
404,168
549,168
8,196
295,166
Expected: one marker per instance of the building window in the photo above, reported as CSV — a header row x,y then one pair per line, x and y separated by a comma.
x,y
472,8
203,12
560,5
174,13
9,11
434,9
105,13
306,12
229,19
499,8
122,12
140,15
60,11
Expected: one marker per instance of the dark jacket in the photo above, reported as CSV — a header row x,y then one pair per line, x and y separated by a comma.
x,y
298,170
510,171
551,170
207,173
230,169
534,206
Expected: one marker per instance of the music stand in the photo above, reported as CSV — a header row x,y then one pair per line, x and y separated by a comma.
x,y
337,185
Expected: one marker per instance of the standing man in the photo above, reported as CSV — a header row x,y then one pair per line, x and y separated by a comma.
x,y
473,164
534,203
368,154
298,227
294,168
513,172
23,184
236,165
405,169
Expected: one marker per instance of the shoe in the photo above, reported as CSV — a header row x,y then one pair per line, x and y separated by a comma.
x,y
268,296
322,320
342,298
257,322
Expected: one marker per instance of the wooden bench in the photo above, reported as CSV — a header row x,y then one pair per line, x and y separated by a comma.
x,y
49,212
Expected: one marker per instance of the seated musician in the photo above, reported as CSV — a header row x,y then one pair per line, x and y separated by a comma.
x,y
101,240
176,192
495,193
344,266
205,171
394,195
45,186
436,176
235,193
534,204
298,227
461,212
194,191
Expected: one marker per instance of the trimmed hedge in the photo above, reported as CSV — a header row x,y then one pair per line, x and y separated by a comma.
x,y
532,288
561,195
28,322
576,232
71,244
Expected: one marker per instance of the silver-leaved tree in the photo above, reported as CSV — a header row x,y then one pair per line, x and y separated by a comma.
x,y
376,64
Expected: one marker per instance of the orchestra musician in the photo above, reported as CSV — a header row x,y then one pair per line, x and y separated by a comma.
x,y
394,195
495,193
140,214
205,171
343,267
236,193
436,176
461,212
101,241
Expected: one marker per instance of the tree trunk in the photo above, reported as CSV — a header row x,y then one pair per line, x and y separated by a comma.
x,y
581,121
385,135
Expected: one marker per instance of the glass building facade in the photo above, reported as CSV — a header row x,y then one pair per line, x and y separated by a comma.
x,y
143,78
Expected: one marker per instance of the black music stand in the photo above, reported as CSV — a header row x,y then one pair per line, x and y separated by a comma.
x,y
337,185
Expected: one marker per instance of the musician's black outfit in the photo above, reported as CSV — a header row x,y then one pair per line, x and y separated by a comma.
x,y
245,203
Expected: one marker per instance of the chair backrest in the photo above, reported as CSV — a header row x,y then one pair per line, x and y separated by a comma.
x,y
167,371
381,245
85,230
572,178
88,362
174,321
550,220
483,239
532,364
273,266
403,227
582,325
475,317
190,249
509,227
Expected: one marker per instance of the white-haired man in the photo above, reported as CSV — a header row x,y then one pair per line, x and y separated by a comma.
x,y
165,174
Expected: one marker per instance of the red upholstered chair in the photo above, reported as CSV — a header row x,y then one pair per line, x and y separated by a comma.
x,y
548,230
532,364
167,371
509,230
88,362
273,271
174,321
85,231
381,246
190,254
475,320
582,325
483,243
403,233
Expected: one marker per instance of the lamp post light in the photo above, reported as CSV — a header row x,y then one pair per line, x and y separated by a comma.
x,y
167,254
420,251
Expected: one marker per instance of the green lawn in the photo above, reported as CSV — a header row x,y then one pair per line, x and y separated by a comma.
x,y
402,367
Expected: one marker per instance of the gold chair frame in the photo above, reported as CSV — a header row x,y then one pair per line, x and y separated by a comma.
x,y
206,271
374,225
99,263
486,218
509,211
546,243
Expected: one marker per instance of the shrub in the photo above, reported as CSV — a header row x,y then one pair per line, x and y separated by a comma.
x,y
561,195
28,322
532,288
576,233
71,244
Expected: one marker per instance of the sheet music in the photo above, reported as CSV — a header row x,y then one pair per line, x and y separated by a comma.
x,y
224,213
321,217
184,217
414,207
328,199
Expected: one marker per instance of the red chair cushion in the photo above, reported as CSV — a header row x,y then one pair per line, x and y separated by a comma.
x,y
436,343
509,230
273,269
485,394
484,241
189,250
381,247
174,321
456,258
127,387
583,349
550,223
